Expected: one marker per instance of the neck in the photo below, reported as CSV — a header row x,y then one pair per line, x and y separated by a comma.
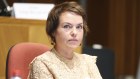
x,y
67,58
64,53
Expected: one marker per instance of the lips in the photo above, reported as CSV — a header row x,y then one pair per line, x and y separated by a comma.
x,y
73,40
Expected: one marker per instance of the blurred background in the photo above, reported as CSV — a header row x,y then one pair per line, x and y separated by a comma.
x,y
115,24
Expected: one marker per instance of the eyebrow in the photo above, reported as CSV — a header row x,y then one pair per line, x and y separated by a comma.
x,y
70,23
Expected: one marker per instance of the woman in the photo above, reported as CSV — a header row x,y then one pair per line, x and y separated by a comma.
x,y
66,26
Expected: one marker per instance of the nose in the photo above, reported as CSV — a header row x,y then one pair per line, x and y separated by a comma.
x,y
74,32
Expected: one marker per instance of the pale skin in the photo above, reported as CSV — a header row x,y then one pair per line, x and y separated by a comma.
x,y
69,34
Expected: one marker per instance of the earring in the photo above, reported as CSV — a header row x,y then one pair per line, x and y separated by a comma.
x,y
52,43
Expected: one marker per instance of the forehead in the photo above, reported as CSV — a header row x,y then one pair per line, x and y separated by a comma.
x,y
70,17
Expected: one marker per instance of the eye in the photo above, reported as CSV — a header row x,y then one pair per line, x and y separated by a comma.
x,y
79,27
67,26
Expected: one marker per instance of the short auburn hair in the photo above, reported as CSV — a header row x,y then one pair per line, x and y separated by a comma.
x,y
54,15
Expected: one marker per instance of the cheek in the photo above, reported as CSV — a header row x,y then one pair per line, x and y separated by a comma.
x,y
81,34
61,36
64,37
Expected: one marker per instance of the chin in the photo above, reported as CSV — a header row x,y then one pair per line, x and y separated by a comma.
x,y
74,46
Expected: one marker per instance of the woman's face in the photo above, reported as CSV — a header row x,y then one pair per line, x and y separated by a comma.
x,y
70,30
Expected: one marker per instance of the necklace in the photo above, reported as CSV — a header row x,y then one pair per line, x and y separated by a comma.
x,y
68,62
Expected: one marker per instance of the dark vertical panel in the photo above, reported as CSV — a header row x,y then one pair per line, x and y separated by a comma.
x,y
124,35
137,32
130,46
117,33
97,11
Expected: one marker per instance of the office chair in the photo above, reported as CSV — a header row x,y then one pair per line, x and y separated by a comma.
x,y
20,55
105,60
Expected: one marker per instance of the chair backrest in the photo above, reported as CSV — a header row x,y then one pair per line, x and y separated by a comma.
x,y
105,61
20,55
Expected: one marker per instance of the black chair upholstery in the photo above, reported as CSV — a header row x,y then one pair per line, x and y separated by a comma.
x,y
105,61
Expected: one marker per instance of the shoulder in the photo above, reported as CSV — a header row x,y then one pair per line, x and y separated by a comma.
x,y
87,58
90,58
43,58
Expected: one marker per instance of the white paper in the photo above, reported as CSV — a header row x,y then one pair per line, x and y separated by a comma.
x,y
38,11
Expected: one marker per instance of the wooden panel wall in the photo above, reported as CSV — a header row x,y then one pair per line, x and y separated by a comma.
x,y
123,35
14,31
98,19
